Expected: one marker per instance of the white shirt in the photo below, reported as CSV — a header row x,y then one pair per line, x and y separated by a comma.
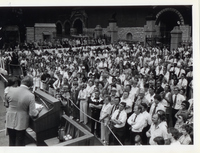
x,y
160,130
122,118
128,102
159,107
179,99
147,118
183,83
105,110
137,123
83,94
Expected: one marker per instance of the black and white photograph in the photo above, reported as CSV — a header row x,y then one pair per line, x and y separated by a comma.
x,y
99,76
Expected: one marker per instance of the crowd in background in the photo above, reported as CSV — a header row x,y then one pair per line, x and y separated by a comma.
x,y
136,95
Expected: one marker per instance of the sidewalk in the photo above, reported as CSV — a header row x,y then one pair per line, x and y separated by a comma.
x,y
3,138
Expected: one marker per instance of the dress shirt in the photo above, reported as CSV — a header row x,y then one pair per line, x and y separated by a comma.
x,y
183,83
147,118
128,102
185,140
105,110
179,99
160,130
83,94
122,118
136,122
159,107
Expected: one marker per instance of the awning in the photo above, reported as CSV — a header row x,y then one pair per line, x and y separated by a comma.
x,y
46,33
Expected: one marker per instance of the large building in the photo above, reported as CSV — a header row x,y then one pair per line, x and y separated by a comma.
x,y
147,24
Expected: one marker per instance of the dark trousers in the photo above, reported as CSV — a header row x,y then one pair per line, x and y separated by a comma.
x,y
174,111
132,136
16,138
95,115
143,135
119,133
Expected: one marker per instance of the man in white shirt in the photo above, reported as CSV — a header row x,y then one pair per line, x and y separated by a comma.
x,y
119,118
147,123
136,121
177,99
157,105
158,127
183,81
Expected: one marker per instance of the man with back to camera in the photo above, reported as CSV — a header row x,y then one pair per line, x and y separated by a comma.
x,y
21,106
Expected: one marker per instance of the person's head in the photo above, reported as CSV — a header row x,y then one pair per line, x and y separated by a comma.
x,y
159,140
137,109
107,99
96,94
27,81
151,90
113,91
182,91
122,106
157,98
90,83
134,83
141,93
116,100
125,94
181,118
128,87
176,90
167,88
144,106
138,139
173,133
12,81
185,104
185,129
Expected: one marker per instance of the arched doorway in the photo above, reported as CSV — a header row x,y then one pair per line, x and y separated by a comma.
x,y
67,28
78,25
58,28
129,36
167,21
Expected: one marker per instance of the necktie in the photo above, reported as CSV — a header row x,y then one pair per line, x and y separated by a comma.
x,y
117,117
179,72
174,104
135,117
154,110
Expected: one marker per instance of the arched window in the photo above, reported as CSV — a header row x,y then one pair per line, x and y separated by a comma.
x,y
129,36
58,28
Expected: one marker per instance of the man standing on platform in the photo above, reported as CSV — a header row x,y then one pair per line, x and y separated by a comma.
x,y
119,118
21,106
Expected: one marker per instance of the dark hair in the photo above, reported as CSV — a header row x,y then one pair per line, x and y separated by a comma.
x,y
187,128
158,97
144,105
107,96
11,81
175,133
28,81
161,115
186,104
123,103
159,140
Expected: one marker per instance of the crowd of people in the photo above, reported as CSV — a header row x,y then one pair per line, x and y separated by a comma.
x,y
125,92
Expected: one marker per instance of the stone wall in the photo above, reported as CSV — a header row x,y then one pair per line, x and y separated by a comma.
x,y
29,34
137,33
186,35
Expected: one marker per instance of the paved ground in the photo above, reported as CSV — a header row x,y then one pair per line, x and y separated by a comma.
x,y
3,137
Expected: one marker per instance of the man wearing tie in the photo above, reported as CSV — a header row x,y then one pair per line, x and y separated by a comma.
x,y
157,105
119,118
177,99
136,121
